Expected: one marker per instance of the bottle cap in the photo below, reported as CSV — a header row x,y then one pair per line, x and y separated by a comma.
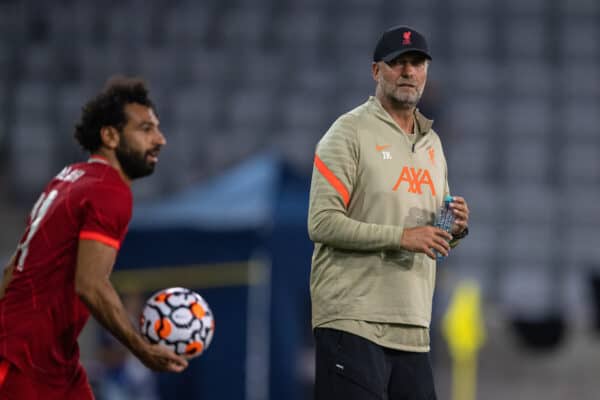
x,y
448,199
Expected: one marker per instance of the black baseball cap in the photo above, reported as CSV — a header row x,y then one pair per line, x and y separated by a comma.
x,y
399,40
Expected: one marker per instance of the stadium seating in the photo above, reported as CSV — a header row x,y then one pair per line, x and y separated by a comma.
x,y
516,98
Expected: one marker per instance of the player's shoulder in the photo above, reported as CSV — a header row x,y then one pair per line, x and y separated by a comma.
x,y
433,134
101,171
104,178
345,125
356,114
357,119
92,177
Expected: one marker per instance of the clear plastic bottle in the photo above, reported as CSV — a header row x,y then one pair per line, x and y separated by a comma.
x,y
444,220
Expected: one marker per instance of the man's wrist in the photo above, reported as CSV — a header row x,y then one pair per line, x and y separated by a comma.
x,y
461,234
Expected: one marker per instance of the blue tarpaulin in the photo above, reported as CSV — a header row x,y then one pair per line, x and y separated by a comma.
x,y
258,207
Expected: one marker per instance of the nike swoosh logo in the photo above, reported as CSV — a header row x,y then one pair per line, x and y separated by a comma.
x,y
382,147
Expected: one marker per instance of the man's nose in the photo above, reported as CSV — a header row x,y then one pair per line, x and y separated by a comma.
x,y
407,70
160,138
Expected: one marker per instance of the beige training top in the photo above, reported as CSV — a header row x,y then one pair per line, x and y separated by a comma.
x,y
370,181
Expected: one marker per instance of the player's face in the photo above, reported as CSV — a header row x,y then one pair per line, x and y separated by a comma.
x,y
402,80
140,141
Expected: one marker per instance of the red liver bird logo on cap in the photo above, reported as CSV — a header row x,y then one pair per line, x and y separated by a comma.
x,y
406,38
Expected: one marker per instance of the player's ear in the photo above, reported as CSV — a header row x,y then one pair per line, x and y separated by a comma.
x,y
375,71
109,136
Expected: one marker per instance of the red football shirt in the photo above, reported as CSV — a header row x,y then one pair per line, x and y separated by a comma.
x,y
41,316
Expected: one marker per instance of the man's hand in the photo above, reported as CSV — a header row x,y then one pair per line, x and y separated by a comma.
x,y
94,263
426,239
161,359
460,209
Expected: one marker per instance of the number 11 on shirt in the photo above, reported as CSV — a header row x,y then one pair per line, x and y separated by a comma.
x,y
37,214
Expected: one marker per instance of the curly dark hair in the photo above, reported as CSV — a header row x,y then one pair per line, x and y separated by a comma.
x,y
108,109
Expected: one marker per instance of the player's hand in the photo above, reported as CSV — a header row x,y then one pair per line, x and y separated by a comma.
x,y
161,359
426,239
460,209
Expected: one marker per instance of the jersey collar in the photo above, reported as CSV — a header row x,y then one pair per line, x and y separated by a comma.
x,y
95,158
422,124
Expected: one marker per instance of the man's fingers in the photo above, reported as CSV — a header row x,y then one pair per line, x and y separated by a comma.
x,y
429,253
427,240
459,213
442,240
182,361
462,224
177,366
442,248
166,360
435,248
177,361
440,244
459,203
445,235
457,200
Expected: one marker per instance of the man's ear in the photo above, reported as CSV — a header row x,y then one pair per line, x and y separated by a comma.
x,y
109,136
375,71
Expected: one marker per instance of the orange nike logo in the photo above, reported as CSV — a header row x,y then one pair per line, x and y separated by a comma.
x,y
382,147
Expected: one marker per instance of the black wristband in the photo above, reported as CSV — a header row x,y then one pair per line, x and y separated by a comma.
x,y
461,234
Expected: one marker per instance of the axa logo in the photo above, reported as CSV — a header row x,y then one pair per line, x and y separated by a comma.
x,y
415,179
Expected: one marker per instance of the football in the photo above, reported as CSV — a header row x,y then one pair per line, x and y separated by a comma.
x,y
179,319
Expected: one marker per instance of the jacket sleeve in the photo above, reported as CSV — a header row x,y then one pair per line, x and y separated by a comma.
x,y
333,183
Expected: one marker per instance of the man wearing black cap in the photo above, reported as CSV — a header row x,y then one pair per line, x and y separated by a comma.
x,y
379,179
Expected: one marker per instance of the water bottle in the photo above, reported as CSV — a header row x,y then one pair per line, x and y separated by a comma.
x,y
444,220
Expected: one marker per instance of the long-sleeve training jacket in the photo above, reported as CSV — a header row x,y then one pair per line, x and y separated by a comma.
x,y
370,181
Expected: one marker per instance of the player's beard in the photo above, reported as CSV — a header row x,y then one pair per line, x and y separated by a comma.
x,y
133,162
404,99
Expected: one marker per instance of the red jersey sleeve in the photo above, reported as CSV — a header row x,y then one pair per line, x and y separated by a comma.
x,y
106,214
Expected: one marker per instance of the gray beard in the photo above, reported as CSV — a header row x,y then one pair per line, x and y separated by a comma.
x,y
404,102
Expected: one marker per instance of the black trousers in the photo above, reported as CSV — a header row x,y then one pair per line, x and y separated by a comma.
x,y
349,367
